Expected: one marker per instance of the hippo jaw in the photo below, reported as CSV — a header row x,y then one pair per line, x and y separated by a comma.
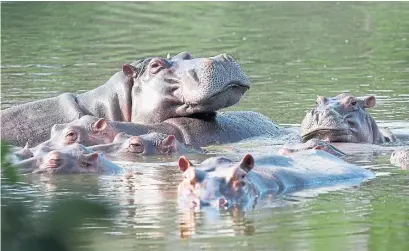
x,y
184,86
341,119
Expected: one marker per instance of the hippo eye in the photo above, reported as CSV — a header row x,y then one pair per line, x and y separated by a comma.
x,y
353,102
71,135
243,176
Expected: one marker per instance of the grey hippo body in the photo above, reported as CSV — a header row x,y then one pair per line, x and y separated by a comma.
x,y
221,182
344,118
148,91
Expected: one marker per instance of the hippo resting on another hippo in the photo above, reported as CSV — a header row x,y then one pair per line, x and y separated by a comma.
x,y
400,158
148,91
219,181
344,118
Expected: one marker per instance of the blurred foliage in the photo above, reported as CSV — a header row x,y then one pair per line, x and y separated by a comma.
x,y
57,228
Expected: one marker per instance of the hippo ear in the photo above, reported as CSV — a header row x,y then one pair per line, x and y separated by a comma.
x,y
92,156
100,125
26,146
169,141
168,56
369,102
247,163
118,137
129,70
184,163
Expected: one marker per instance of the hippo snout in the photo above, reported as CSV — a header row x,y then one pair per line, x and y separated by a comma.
x,y
136,145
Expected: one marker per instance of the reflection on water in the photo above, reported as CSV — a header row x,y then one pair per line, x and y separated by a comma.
x,y
291,51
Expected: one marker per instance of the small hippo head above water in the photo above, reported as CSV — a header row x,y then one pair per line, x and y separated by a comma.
x,y
72,159
218,182
153,143
400,158
182,86
342,118
87,130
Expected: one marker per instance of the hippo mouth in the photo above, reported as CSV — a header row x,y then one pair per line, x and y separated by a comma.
x,y
206,107
332,135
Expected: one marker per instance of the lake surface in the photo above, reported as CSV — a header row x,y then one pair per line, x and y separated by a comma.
x,y
291,52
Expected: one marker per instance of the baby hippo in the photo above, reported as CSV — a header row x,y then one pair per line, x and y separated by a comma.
x,y
153,143
317,144
400,158
220,182
72,159
87,131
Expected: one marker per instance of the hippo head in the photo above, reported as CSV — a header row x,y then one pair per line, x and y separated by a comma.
x,y
218,182
400,158
341,119
72,159
183,86
147,144
87,130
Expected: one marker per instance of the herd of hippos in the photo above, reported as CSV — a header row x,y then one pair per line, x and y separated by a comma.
x,y
163,106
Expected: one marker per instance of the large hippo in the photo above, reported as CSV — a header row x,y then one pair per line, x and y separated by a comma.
x,y
400,158
219,181
148,91
73,159
344,118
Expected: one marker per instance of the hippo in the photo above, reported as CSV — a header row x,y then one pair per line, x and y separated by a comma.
x,y
344,118
147,91
128,146
123,145
226,127
318,144
73,159
400,158
221,182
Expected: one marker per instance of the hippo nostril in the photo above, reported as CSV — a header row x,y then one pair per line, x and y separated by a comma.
x,y
193,74
223,202
54,160
135,145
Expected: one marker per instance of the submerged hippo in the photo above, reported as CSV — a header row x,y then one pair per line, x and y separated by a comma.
x,y
148,91
317,144
400,158
128,146
344,118
221,182
72,159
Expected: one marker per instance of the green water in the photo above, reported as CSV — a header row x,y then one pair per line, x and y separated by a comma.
x,y
291,52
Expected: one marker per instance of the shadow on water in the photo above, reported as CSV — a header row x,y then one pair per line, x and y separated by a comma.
x,y
291,51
